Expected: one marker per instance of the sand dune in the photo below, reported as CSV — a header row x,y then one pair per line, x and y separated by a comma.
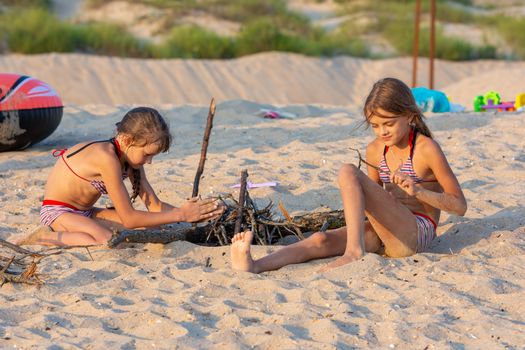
x,y
276,78
466,293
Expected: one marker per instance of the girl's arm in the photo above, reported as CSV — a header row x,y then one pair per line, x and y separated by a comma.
x,y
149,197
190,211
154,204
451,199
373,156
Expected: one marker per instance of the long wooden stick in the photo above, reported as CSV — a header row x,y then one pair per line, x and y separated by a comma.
x,y
242,199
204,149
415,48
432,43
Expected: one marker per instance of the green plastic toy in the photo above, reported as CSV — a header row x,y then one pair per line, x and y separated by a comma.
x,y
478,102
492,95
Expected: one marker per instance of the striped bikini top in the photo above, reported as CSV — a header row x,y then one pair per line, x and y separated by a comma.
x,y
406,168
99,185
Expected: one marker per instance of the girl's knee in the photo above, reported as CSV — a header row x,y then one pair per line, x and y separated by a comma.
x,y
102,236
348,173
319,239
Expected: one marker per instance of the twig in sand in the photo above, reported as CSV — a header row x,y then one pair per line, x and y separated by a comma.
x,y
242,200
87,248
362,160
204,148
298,232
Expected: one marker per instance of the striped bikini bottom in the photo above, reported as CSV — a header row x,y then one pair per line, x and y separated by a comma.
x,y
426,231
51,210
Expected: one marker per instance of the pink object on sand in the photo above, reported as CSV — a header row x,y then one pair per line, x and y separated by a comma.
x,y
272,115
250,185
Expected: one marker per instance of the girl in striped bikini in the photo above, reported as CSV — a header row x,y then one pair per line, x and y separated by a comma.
x,y
409,182
88,170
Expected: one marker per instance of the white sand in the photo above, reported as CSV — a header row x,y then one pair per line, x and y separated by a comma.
x,y
277,78
466,293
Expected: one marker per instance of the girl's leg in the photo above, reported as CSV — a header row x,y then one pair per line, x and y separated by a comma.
x,y
71,229
318,245
108,218
393,222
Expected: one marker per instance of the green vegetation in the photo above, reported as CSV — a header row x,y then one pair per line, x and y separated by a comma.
x,y
26,3
395,22
27,26
511,29
194,42
34,31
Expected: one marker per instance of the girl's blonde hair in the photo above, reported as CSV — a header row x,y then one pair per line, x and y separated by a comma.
x,y
144,126
394,96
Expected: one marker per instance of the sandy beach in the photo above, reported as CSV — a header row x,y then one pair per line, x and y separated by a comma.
x,y
467,292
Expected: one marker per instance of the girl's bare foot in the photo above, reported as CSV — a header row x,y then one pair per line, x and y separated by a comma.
x,y
35,237
240,252
342,260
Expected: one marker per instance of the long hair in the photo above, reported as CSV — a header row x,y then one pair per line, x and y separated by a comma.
x,y
394,96
144,126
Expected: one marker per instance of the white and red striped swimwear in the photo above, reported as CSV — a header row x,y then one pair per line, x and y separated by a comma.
x,y
426,231
426,227
99,185
52,209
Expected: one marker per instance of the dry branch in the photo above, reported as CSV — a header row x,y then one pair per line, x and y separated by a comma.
x,y
15,269
242,200
204,148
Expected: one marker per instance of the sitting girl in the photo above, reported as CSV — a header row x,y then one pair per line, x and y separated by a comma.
x,y
409,182
88,170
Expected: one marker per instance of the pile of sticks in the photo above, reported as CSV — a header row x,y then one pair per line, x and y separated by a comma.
x,y
268,227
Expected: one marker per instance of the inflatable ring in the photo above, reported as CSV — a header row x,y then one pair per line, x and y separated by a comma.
x,y
30,110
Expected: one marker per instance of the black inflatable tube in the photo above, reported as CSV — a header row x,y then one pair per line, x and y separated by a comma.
x,y
20,129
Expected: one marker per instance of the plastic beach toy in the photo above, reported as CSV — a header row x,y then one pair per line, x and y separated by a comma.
x,y
520,101
492,101
30,110
431,100
250,185
275,114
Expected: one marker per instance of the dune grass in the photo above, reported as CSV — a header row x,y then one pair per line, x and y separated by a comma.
x,y
194,42
395,22
511,29
26,3
35,30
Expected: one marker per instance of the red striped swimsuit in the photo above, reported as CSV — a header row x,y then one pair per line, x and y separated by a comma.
x,y
426,227
52,209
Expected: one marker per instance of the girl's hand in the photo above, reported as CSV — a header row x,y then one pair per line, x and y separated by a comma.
x,y
404,182
216,213
196,210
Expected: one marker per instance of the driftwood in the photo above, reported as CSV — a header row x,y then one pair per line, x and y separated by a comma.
x,y
165,235
16,269
204,148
